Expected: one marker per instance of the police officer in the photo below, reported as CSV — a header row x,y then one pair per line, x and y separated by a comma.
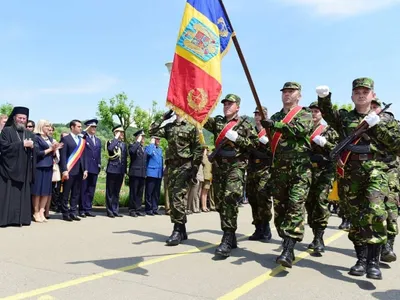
x,y
116,169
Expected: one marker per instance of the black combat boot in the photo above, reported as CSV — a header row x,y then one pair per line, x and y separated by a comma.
x,y
287,256
267,232
360,267
228,242
312,244
373,270
344,224
178,235
258,233
387,253
319,241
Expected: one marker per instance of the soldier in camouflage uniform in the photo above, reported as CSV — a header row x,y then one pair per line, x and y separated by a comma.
x,y
291,168
229,167
184,158
391,203
323,141
258,170
364,183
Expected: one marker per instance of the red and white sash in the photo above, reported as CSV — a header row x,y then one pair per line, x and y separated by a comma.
x,y
317,131
222,134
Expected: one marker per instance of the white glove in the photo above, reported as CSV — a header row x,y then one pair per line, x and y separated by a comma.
x,y
372,119
322,91
320,140
232,135
263,140
139,138
152,141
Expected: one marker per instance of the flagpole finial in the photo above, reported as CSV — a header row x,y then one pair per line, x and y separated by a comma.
x,y
169,66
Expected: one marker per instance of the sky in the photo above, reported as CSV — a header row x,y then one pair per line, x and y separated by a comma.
x,y
60,58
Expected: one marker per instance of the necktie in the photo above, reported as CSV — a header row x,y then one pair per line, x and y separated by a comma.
x,y
93,140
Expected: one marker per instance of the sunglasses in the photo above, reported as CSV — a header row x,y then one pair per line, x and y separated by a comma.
x,y
29,126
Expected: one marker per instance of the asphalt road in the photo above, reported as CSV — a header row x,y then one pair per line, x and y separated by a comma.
x,y
125,258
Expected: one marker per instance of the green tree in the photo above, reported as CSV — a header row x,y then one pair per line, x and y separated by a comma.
x,y
118,106
6,109
143,118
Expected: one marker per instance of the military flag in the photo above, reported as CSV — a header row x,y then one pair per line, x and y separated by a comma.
x,y
204,38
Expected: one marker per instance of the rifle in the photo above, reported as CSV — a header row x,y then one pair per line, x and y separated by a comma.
x,y
360,129
217,149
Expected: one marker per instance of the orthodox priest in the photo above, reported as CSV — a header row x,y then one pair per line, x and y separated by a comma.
x,y
17,166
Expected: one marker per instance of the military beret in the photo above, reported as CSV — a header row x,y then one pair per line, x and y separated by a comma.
x,y
231,98
291,85
363,82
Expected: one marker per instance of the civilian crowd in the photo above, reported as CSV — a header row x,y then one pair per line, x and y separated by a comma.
x,y
39,173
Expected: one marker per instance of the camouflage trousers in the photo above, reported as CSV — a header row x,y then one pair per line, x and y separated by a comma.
x,y
178,186
391,203
228,181
317,201
260,202
289,186
365,189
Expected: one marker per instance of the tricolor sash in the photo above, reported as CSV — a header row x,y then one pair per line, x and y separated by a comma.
x,y
222,134
76,154
262,133
287,119
343,160
316,132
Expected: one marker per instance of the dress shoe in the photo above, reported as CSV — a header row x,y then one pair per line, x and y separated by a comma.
x,y
133,214
111,216
156,212
150,213
67,218
118,215
89,214
140,214
82,215
75,218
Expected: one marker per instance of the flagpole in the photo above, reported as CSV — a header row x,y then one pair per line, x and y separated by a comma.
x,y
244,64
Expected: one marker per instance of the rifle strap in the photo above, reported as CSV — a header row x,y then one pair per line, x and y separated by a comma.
x,y
343,160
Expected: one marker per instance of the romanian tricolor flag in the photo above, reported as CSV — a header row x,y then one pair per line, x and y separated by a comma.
x,y
195,82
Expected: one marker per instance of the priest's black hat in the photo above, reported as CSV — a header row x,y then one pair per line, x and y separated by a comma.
x,y
17,110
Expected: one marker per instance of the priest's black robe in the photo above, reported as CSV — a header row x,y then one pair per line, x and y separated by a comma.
x,y
17,168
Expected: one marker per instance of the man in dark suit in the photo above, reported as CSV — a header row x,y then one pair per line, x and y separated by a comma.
x,y
93,160
137,175
73,168
116,169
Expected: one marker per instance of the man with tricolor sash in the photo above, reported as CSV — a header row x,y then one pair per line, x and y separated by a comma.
x,y
184,158
323,139
258,171
362,169
237,135
291,168
392,201
73,167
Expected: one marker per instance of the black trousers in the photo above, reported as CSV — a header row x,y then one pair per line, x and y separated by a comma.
x,y
71,186
136,188
113,188
153,187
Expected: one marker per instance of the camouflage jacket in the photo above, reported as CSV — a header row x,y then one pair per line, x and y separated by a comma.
x,y
247,136
380,140
183,140
332,139
295,135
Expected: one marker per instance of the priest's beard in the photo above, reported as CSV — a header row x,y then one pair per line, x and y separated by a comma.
x,y
19,127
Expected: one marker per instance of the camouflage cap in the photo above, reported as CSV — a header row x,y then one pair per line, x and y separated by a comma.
x,y
265,110
377,101
231,98
314,105
291,85
363,82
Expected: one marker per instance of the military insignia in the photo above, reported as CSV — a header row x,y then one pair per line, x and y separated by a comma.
x,y
223,29
200,40
197,99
